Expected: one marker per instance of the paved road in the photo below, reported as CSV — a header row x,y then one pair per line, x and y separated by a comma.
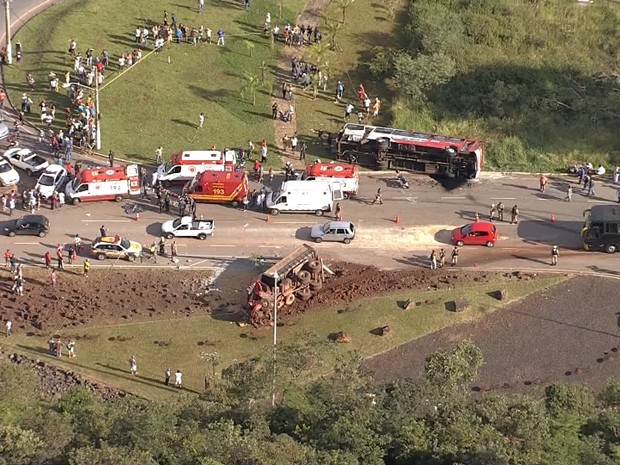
x,y
21,11
427,213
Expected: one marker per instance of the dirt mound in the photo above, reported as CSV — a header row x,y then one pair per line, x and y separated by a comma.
x,y
106,296
352,282
54,381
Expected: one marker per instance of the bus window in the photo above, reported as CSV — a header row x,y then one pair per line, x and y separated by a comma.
x,y
611,228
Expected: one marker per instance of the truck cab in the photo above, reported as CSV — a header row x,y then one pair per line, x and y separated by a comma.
x,y
601,229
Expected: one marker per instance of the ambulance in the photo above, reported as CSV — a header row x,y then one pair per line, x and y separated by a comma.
x,y
103,183
344,174
219,187
185,165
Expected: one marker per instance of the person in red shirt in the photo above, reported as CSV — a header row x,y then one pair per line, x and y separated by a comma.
x,y
48,259
7,258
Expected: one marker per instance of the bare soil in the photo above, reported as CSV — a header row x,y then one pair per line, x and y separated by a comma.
x,y
569,333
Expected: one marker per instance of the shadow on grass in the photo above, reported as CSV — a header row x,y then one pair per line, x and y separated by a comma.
x,y
229,4
122,40
184,123
218,95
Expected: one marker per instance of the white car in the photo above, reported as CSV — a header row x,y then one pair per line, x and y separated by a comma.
x,y
8,175
27,160
186,226
51,180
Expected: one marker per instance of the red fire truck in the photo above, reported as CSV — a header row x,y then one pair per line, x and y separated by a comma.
x,y
388,148
219,187
103,183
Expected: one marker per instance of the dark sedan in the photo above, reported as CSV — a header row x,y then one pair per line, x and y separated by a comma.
x,y
31,225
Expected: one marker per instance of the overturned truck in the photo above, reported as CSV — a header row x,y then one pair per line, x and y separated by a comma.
x,y
297,276
387,148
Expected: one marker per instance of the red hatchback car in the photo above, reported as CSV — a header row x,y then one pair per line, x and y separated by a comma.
x,y
480,233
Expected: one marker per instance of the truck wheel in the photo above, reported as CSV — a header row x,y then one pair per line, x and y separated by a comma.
x,y
75,201
459,243
290,299
169,236
235,204
347,240
304,294
313,266
118,198
610,248
319,213
101,256
202,236
266,304
304,276
382,165
316,285
275,212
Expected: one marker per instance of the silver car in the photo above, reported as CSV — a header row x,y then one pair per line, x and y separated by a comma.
x,y
334,231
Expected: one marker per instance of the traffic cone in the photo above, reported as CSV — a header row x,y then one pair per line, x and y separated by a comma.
x,y
137,216
397,220
552,218
267,218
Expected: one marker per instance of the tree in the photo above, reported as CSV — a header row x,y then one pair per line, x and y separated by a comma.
x,y
317,53
18,446
332,28
344,5
454,368
251,83
108,455
249,45
572,399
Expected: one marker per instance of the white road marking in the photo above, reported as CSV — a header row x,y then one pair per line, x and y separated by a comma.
x,y
503,198
295,222
539,198
198,263
222,245
106,221
270,246
405,198
452,198
26,243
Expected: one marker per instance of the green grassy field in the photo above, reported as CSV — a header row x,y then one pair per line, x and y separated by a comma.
x,y
157,102
103,351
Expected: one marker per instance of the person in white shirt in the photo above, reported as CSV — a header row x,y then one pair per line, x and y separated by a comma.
x,y
178,378
138,34
9,328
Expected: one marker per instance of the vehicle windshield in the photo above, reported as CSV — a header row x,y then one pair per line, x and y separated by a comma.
x,y
191,185
5,167
176,223
125,244
168,166
325,228
46,180
465,230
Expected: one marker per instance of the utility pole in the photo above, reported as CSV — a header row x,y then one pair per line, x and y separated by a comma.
x,y
9,46
97,120
275,337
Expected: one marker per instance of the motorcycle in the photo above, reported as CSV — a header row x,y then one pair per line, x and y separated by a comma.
x,y
402,181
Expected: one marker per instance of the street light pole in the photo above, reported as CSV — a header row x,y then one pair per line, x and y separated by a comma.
x,y
9,46
97,120
275,337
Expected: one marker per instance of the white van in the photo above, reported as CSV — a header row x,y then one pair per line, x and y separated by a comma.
x,y
185,165
304,197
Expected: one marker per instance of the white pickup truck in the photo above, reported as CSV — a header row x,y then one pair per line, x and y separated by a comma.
x,y
27,160
186,226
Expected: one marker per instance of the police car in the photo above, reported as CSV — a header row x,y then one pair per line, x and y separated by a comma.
x,y
116,247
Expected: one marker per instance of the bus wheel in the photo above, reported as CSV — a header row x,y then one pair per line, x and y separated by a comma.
x,y
610,248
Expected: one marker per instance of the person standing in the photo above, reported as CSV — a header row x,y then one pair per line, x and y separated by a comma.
x,y
86,267
71,348
294,142
111,158
455,256
102,231
616,174
201,5
591,187
133,365
500,211
7,258
338,212
167,377
263,151
173,251
60,259
492,212
348,110
433,258
302,152
9,328
514,215
159,152
569,194
201,120
378,198
543,183
554,255
442,258
220,37
53,278
178,379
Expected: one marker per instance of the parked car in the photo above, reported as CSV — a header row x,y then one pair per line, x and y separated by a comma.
x,y
116,247
334,231
8,175
186,226
52,179
479,233
4,131
32,225
27,160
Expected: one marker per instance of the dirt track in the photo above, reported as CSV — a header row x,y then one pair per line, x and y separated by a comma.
x,y
570,333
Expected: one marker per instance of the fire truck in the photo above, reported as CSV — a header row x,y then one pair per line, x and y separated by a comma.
x,y
388,148
219,187
103,183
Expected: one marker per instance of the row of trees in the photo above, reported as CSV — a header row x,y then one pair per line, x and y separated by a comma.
x,y
539,72
342,419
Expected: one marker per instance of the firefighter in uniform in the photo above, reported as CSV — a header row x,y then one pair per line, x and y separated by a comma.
x,y
455,256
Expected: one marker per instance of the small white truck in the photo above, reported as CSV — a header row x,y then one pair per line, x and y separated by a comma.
x,y
186,226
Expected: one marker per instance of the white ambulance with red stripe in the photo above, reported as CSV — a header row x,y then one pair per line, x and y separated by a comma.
x,y
345,174
185,165
103,183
